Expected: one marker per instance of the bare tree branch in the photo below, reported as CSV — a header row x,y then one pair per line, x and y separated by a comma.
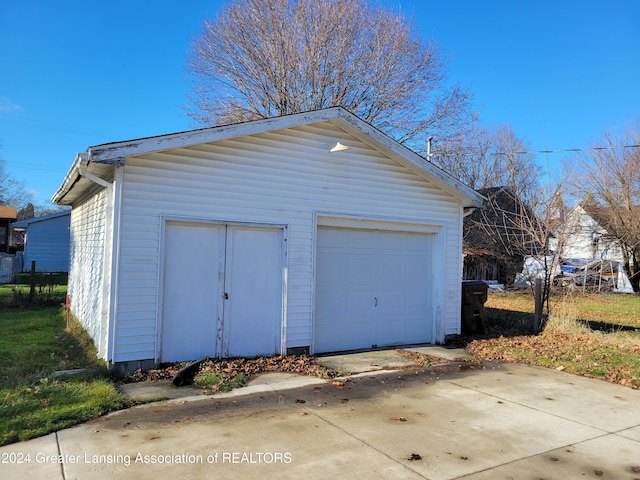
x,y
610,185
264,58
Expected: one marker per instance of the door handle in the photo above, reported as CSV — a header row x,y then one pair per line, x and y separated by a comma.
x,y
375,301
226,296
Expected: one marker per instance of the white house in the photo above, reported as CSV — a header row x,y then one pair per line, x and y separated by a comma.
x,y
46,241
585,237
586,246
262,238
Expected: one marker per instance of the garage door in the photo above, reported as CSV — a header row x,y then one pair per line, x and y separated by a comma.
x,y
372,289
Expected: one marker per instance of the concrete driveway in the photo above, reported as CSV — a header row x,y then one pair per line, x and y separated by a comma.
x,y
486,422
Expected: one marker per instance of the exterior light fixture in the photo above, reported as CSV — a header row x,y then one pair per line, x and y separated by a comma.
x,y
339,148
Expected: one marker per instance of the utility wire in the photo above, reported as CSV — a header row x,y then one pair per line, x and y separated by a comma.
x,y
533,152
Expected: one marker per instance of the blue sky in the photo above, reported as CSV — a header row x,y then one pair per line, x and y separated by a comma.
x,y
76,74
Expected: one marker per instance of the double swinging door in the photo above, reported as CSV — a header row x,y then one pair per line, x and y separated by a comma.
x,y
222,291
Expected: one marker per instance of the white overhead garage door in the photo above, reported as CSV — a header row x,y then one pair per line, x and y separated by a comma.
x,y
373,289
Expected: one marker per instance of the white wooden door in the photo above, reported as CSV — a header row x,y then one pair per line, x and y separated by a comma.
x,y
253,292
193,255
223,289
373,289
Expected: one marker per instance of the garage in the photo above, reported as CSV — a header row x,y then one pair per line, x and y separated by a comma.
x,y
262,238
372,288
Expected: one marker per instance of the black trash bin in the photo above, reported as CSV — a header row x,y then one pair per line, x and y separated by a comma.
x,y
474,296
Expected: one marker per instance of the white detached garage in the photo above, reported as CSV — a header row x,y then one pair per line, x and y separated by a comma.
x,y
257,239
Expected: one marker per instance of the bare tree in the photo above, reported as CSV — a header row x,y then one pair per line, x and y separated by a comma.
x,y
611,180
521,234
264,58
13,192
492,158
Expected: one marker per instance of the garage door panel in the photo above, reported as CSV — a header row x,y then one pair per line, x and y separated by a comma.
x,y
416,301
389,301
416,270
372,288
359,239
359,271
390,270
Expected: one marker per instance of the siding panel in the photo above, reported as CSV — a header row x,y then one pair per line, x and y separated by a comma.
x,y
86,270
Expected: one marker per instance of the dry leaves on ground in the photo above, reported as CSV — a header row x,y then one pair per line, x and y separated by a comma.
x,y
230,367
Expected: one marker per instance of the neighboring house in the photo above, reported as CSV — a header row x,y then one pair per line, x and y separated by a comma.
x,y
7,260
7,215
46,241
590,255
498,237
260,238
584,235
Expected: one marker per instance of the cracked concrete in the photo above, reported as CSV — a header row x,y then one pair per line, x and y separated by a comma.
x,y
484,422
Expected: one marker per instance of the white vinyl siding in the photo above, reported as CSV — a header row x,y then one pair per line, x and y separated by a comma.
x,y
281,177
87,265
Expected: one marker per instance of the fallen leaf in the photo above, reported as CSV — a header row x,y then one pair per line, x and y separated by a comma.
x,y
155,437
414,456
344,400
398,419
300,401
188,418
598,473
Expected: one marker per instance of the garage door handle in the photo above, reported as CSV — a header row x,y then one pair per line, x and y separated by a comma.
x,y
375,301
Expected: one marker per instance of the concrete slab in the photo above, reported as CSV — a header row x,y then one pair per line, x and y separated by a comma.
x,y
37,458
607,457
446,353
504,421
631,433
350,363
606,406
456,431
158,390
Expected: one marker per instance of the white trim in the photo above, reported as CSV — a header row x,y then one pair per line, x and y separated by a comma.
x,y
114,277
89,176
374,223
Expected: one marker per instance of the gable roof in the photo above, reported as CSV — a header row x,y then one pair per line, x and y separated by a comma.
x,y
95,165
23,224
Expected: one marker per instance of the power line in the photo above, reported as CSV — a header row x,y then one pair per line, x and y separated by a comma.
x,y
31,166
533,152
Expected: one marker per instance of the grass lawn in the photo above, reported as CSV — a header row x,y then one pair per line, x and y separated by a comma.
x,y
591,335
33,344
18,294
